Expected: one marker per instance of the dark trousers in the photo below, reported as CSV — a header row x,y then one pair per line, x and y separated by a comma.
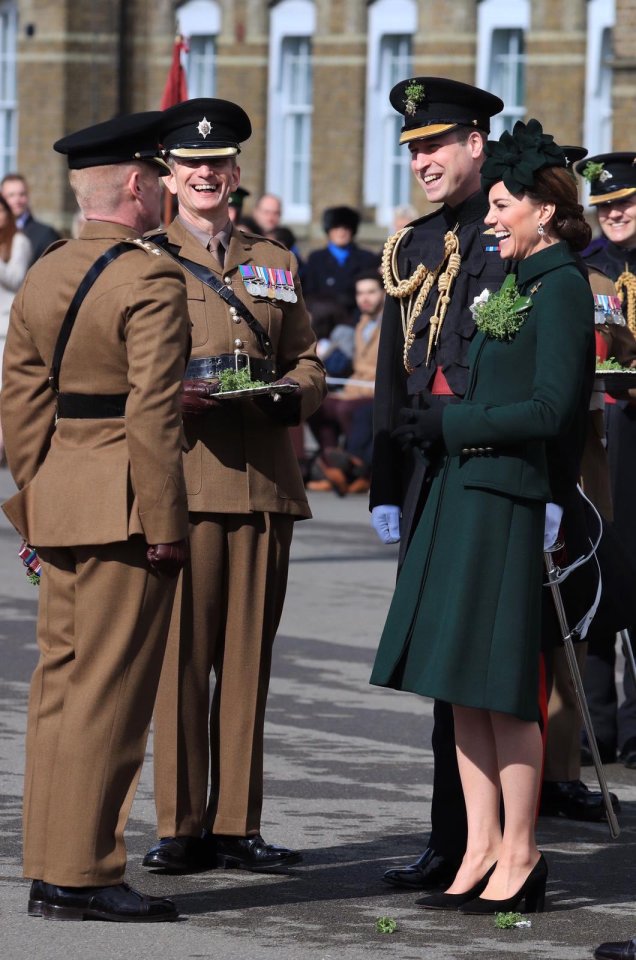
x,y
613,725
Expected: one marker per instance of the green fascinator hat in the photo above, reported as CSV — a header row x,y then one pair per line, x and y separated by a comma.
x,y
516,157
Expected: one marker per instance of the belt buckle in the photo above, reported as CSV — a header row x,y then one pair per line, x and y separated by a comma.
x,y
244,366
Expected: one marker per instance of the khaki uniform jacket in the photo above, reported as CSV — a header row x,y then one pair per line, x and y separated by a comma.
x,y
239,459
98,481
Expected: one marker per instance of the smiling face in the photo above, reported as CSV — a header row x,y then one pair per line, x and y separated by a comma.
x,y
617,220
202,187
515,221
446,168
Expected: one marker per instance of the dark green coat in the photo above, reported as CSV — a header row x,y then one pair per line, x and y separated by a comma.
x,y
464,624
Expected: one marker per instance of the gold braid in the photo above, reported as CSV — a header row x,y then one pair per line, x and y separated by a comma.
x,y
424,278
626,289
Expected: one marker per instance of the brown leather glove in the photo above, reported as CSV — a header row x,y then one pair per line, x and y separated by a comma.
x,y
282,407
197,396
168,558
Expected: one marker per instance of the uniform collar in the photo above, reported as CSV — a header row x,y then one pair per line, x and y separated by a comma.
x,y
553,257
106,229
472,209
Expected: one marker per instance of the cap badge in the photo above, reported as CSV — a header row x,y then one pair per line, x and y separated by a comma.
x,y
596,171
204,127
415,93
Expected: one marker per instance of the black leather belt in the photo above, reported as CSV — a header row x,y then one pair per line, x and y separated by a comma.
x,y
90,406
209,368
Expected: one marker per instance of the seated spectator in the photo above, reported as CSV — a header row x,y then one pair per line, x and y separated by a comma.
x,y
15,190
331,271
343,425
334,335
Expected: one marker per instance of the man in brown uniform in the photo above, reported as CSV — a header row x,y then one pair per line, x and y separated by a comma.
x,y
244,493
97,461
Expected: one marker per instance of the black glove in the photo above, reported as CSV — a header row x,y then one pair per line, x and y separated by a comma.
x,y
418,427
284,408
168,558
197,396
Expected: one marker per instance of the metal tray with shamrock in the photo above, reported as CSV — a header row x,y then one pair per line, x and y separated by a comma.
x,y
615,379
246,392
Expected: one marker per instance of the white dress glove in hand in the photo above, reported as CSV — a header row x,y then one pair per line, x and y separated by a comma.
x,y
385,520
553,514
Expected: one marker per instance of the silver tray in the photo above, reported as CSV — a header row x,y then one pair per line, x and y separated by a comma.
x,y
247,392
615,379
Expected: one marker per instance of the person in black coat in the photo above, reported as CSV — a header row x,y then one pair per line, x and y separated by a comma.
x,y
331,271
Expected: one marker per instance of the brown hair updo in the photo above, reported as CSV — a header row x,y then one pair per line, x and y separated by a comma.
x,y
556,185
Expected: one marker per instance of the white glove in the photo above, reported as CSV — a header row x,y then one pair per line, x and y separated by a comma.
x,y
553,514
385,520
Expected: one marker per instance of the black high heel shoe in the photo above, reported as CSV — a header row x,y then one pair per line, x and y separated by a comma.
x,y
533,889
453,901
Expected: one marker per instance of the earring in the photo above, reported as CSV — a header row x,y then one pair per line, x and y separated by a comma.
x,y
540,230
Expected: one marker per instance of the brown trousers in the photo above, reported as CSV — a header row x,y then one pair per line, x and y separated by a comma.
x,y
563,747
102,626
227,609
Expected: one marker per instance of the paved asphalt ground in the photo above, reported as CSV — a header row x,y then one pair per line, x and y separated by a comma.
x,y
348,780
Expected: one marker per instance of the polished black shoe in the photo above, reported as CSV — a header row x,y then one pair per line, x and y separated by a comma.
x,y
252,853
573,800
120,902
36,898
452,901
606,753
430,871
627,756
532,891
625,950
182,855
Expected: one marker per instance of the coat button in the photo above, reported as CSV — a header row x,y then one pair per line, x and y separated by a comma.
x,y
233,311
236,319
227,279
238,343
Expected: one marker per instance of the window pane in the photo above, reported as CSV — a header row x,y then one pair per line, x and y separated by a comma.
x,y
201,66
507,77
8,104
296,106
395,65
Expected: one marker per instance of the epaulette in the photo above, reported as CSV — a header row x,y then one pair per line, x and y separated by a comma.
x,y
146,245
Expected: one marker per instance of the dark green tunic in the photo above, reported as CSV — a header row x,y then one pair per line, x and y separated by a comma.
x,y
464,624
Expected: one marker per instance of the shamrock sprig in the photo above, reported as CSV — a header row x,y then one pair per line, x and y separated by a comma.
x,y
414,95
592,171
503,314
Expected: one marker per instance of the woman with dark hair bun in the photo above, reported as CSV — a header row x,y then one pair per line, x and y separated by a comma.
x,y
465,621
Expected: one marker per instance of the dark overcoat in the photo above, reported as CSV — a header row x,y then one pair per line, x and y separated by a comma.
x,y
465,621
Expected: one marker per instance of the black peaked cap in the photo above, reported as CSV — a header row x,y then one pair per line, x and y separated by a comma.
x,y
134,136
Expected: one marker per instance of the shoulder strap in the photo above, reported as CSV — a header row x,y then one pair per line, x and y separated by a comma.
x,y
67,326
207,277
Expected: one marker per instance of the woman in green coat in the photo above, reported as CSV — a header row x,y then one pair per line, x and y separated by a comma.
x,y
464,624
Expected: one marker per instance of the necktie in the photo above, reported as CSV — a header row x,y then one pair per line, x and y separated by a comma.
x,y
217,249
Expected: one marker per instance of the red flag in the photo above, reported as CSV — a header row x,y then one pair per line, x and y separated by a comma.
x,y
176,88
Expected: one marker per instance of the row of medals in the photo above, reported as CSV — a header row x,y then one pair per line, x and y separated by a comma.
x,y
258,283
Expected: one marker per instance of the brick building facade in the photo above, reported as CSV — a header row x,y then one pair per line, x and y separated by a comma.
x,y
324,137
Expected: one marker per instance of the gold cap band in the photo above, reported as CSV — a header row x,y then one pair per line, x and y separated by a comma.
x,y
611,197
423,133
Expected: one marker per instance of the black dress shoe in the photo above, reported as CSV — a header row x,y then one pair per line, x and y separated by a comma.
x,y
627,756
430,871
573,800
36,898
625,950
182,855
252,853
120,902
452,901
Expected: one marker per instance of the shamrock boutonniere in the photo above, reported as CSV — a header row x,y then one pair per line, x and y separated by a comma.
x,y
501,315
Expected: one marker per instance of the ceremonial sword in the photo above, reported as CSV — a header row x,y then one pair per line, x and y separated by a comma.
x,y
575,673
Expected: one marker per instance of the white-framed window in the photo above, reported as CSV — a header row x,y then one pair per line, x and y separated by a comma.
x,y
290,107
200,23
601,18
8,86
501,57
391,26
